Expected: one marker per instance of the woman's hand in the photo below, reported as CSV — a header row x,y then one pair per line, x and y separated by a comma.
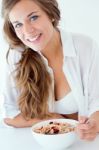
x,y
87,128
20,122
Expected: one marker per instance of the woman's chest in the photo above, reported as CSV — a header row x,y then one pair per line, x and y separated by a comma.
x,y
61,85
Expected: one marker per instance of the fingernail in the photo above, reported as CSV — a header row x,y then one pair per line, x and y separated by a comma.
x,y
81,119
6,120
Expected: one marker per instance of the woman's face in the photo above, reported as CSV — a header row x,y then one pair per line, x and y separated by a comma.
x,y
32,25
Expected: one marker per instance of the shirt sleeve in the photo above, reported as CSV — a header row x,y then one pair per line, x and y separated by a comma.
x,y
8,92
93,81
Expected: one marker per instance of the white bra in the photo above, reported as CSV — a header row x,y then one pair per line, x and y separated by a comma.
x,y
66,105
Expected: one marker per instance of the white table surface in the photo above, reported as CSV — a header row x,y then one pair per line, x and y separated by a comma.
x,y
22,139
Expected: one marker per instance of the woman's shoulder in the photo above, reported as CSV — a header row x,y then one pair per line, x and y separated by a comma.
x,y
11,58
80,42
85,45
14,55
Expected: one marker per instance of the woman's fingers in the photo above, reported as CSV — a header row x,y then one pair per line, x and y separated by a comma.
x,y
82,119
8,121
89,136
87,130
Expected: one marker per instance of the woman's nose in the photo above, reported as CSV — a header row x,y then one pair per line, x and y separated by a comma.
x,y
28,29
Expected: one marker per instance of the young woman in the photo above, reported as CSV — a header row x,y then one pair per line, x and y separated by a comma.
x,y
51,72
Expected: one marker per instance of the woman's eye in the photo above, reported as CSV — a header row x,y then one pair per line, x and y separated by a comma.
x,y
32,18
18,25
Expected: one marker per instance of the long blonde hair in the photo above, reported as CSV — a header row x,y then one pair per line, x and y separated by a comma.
x,y
32,78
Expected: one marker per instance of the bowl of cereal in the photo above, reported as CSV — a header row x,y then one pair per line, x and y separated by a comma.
x,y
55,134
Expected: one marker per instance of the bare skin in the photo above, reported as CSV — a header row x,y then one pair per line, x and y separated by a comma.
x,y
20,122
87,128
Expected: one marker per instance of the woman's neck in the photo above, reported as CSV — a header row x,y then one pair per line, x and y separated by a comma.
x,y
54,48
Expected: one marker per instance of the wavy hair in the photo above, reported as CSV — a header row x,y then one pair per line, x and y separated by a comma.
x,y
32,78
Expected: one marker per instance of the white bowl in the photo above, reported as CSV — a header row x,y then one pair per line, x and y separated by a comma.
x,y
55,141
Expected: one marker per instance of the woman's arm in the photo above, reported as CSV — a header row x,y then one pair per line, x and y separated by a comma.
x,y
88,127
20,122
8,90
95,118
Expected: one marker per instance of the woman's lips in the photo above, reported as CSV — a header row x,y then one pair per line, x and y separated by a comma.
x,y
34,39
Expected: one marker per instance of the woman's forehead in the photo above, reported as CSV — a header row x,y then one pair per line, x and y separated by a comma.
x,y
23,9
27,4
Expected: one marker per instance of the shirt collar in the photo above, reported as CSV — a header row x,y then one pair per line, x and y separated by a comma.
x,y
68,44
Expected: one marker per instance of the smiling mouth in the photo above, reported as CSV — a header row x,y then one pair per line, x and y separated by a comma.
x,y
33,39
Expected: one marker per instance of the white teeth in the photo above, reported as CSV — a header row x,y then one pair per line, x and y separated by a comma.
x,y
33,39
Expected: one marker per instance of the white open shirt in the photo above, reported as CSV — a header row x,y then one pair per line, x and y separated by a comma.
x,y
81,67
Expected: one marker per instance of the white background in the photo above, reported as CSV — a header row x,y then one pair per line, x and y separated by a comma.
x,y
81,16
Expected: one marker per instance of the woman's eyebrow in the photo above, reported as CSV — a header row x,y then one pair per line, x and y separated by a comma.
x,y
27,16
15,22
31,13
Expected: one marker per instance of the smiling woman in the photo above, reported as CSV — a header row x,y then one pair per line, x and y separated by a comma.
x,y
49,71
30,26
